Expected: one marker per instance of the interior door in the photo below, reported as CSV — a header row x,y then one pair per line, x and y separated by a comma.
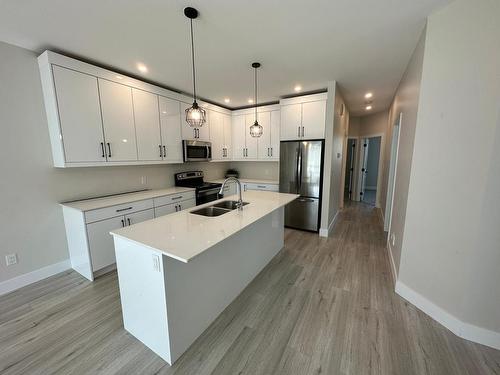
x,y
79,115
291,121
102,250
147,125
310,168
118,120
264,141
252,143
170,123
289,166
313,119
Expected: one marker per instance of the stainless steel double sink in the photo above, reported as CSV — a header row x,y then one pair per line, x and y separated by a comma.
x,y
218,209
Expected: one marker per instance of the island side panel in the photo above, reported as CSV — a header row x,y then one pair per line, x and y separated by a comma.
x,y
198,291
142,294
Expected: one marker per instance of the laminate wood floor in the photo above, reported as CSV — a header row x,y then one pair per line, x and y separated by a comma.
x,y
322,306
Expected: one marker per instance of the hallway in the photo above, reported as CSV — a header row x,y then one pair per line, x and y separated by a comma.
x,y
322,306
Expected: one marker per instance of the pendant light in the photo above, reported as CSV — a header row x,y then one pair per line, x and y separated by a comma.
x,y
256,129
195,116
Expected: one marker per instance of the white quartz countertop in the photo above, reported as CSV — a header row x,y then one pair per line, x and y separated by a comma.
x,y
183,235
251,181
113,200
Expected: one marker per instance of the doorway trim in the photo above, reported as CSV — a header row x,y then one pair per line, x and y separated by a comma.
x,y
393,169
380,166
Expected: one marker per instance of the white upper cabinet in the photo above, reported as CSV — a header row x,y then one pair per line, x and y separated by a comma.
x,y
147,125
303,117
238,125
220,135
170,120
201,134
313,119
79,115
118,120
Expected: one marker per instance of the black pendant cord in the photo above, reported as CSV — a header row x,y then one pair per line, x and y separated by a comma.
x,y
192,58
255,94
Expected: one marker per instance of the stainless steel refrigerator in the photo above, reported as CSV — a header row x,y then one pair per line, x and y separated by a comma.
x,y
301,172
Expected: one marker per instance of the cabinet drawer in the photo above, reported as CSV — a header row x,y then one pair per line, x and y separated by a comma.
x,y
167,199
266,187
122,209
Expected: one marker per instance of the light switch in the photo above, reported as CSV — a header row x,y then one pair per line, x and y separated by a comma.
x,y
156,262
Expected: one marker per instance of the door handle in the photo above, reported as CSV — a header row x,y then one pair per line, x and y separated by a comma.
x,y
109,148
102,149
164,151
128,221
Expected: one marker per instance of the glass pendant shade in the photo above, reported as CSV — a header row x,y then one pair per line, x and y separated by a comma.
x,y
195,116
256,129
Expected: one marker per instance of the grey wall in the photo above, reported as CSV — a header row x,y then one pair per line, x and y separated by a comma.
x,y
31,223
372,162
450,252
406,102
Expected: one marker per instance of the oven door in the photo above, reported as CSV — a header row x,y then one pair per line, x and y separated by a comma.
x,y
197,150
205,196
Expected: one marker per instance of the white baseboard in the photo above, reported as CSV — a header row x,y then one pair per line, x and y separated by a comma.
x,y
17,282
325,232
462,329
393,264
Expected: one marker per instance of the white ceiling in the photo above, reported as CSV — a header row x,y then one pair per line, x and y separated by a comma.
x,y
363,44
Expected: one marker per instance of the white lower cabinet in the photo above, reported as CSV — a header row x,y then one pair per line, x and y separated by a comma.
x,y
90,245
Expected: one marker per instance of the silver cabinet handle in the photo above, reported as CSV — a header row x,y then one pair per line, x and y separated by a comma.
x,y
302,131
174,198
160,151
176,208
180,207
164,151
262,187
109,149
123,223
128,221
102,149
298,131
271,151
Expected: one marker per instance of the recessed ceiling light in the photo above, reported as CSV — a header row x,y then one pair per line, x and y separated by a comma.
x,y
298,88
142,68
368,107
119,77
368,95
227,100
250,101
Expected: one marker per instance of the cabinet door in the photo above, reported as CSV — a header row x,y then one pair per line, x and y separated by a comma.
x,y
238,125
187,204
264,141
313,119
118,121
79,115
291,121
275,135
165,210
252,144
147,125
228,136
216,135
170,122
102,250
138,217
202,134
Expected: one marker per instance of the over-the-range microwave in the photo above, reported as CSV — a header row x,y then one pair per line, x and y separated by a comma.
x,y
197,150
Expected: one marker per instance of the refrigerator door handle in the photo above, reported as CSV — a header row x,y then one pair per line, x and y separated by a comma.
x,y
299,170
309,200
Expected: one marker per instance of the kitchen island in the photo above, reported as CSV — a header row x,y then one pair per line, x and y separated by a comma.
x,y
177,273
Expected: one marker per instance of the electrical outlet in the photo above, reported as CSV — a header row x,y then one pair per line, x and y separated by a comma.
x,y
144,180
10,259
393,239
156,262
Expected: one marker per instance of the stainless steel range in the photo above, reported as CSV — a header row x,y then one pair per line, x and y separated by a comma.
x,y
205,191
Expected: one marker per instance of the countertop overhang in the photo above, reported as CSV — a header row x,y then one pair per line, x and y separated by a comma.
x,y
183,235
